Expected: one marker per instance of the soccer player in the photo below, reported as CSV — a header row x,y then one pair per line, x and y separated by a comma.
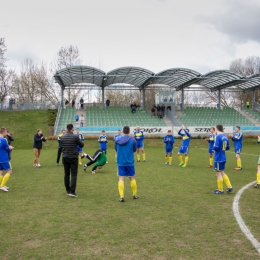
x,y
81,138
59,147
4,160
116,135
237,138
37,146
184,149
221,145
139,138
103,141
125,147
99,158
169,141
211,140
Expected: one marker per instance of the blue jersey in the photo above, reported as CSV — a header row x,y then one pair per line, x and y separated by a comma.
x,y
139,136
211,140
115,137
103,142
221,145
237,139
4,150
185,137
125,147
169,141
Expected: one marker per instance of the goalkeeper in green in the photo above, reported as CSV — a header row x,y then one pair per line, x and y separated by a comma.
x,y
99,158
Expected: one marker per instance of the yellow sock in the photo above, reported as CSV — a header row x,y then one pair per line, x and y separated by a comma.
x,y
220,184
180,158
186,160
144,156
239,165
227,181
211,161
5,179
133,187
138,157
121,189
1,179
80,160
166,159
170,160
258,178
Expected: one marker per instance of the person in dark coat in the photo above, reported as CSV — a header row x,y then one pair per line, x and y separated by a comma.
x,y
69,143
163,109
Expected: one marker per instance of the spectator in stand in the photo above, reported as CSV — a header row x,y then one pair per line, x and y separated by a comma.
x,y
247,104
73,103
163,109
169,107
158,109
66,103
107,102
81,119
81,103
153,111
77,118
159,114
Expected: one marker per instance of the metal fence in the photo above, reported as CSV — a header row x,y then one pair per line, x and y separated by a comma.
x,y
28,105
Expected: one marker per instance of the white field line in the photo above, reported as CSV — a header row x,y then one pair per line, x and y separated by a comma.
x,y
239,219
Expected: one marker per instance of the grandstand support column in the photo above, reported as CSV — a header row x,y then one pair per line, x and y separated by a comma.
x,y
103,97
62,97
253,99
143,97
219,99
182,98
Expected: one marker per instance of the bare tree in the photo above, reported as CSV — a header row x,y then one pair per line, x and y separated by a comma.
x,y
2,52
6,82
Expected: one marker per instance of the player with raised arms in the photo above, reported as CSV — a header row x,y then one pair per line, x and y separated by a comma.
x,y
169,141
237,138
211,139
220,147
139,138
184,149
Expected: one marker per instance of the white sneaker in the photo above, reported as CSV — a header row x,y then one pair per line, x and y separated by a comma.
x,y
35,165
3,188
38,165
107,162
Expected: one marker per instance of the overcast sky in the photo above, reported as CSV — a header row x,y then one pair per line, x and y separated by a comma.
x,y
202,35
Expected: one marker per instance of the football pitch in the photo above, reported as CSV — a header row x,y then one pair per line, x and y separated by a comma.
x,y
176,216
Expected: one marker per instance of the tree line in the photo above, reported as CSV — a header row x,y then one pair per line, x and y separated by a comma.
x,y
34,82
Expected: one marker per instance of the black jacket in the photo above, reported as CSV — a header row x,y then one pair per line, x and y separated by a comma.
x,y
69,143
38,141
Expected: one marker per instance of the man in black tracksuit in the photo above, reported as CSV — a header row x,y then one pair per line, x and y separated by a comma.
x,y
69,143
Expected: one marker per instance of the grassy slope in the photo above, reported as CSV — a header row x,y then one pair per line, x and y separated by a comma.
x,y
23,125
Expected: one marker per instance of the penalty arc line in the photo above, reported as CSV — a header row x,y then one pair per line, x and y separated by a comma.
x,y
240,221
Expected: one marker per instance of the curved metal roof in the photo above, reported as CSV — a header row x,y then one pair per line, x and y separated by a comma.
x,y
129,75
220,79
79,74
252,82
177,77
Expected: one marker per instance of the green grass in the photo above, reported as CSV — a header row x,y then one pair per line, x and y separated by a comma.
x,y
176,216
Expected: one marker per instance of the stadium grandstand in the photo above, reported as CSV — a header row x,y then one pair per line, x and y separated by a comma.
x,y
176,79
